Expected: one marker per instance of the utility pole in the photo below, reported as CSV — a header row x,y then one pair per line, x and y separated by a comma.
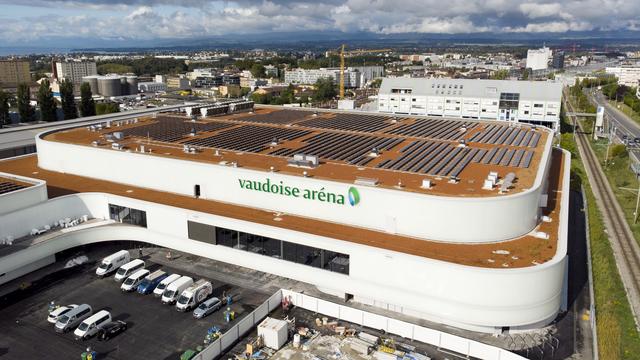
x,y
606,159
635,213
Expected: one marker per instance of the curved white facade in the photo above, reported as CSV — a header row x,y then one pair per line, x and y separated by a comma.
x,y
475,298
433,217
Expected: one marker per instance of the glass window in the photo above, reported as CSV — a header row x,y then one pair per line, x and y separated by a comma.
x,y
227,237
336,262
128,216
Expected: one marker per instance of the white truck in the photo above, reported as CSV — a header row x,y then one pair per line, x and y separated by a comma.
x,y
112,262
194,295
173,291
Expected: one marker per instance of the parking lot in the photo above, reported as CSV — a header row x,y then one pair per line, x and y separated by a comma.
x,y
155,331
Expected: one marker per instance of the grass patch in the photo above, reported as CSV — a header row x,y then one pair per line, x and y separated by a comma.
x,y
617,334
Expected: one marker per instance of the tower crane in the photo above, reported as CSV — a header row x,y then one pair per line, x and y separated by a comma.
x,y
341,52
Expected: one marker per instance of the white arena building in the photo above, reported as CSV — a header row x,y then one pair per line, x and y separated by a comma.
x,y
461,222
512,101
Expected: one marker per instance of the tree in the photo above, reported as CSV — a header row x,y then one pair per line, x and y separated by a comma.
x,y
25,109
325,90
87,106
375,84
258,71
106,108
46,102
4,108
68,101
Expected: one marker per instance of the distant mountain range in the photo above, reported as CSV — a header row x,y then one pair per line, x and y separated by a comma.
x,y
324,40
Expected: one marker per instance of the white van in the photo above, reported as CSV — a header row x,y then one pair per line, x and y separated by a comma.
x,y
112,262
92,325
194,295
128,269
157,292
173,291
72,318
131,283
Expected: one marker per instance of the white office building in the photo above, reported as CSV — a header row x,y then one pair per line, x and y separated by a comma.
x,y
354,77
534,102
538,59
627,75
75,70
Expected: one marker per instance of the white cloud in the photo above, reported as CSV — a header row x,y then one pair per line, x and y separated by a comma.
x,y
147,19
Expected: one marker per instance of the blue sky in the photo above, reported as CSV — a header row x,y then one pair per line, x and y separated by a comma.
x,y
38,21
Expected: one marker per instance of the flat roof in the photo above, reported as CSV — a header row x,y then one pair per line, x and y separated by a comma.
x,y
8,185
475,88
398,152
522,252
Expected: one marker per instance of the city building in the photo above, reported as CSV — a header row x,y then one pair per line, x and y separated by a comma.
x,y
161,79
538,59
558,60
178,82
151,87
75,70
461,222
14,72
354,77
208,81
271,71
535,102
627,75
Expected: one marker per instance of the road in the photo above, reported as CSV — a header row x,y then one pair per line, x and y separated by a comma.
x,y
621,120
625,248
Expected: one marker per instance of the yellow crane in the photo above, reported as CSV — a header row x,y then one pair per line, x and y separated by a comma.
x,y
342,54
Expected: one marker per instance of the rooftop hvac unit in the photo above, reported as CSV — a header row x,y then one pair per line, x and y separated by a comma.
x,y
274,332
119,135
275,142
116,146
426,184
374,152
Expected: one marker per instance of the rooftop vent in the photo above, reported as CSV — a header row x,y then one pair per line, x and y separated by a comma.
x,y
303,160
275,142
426,184
366,181
507,182
374,152
119,135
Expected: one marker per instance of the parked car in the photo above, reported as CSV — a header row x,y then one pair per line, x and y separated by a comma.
x,y
129,268
207,307
157,292
73,317
173,291
194,295
132,282
149,283
111,329
55,314
92,325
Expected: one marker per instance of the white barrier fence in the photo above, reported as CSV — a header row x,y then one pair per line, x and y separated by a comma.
x,y
411,331
240,328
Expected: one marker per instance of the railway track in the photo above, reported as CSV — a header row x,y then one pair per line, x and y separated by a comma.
x,y
625,246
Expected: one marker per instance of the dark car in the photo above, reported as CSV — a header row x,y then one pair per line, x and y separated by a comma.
x,y
112,329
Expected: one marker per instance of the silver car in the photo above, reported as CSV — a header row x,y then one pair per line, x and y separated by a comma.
x,y
207,307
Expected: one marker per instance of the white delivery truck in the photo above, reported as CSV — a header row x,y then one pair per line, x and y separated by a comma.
x,y
129,268
112,262
194,295
176,288
157,292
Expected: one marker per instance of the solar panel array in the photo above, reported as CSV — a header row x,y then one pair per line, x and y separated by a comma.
x,y
352,148
169,129
282,117
504,135
434,129
433,158
508,157
251,138
350,122
8,186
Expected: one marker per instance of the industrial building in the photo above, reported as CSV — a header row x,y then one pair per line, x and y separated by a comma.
x,y
627,75
178,82
534,102
538,59
459,221
14,72
354,77
151,87
75,71
113,85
